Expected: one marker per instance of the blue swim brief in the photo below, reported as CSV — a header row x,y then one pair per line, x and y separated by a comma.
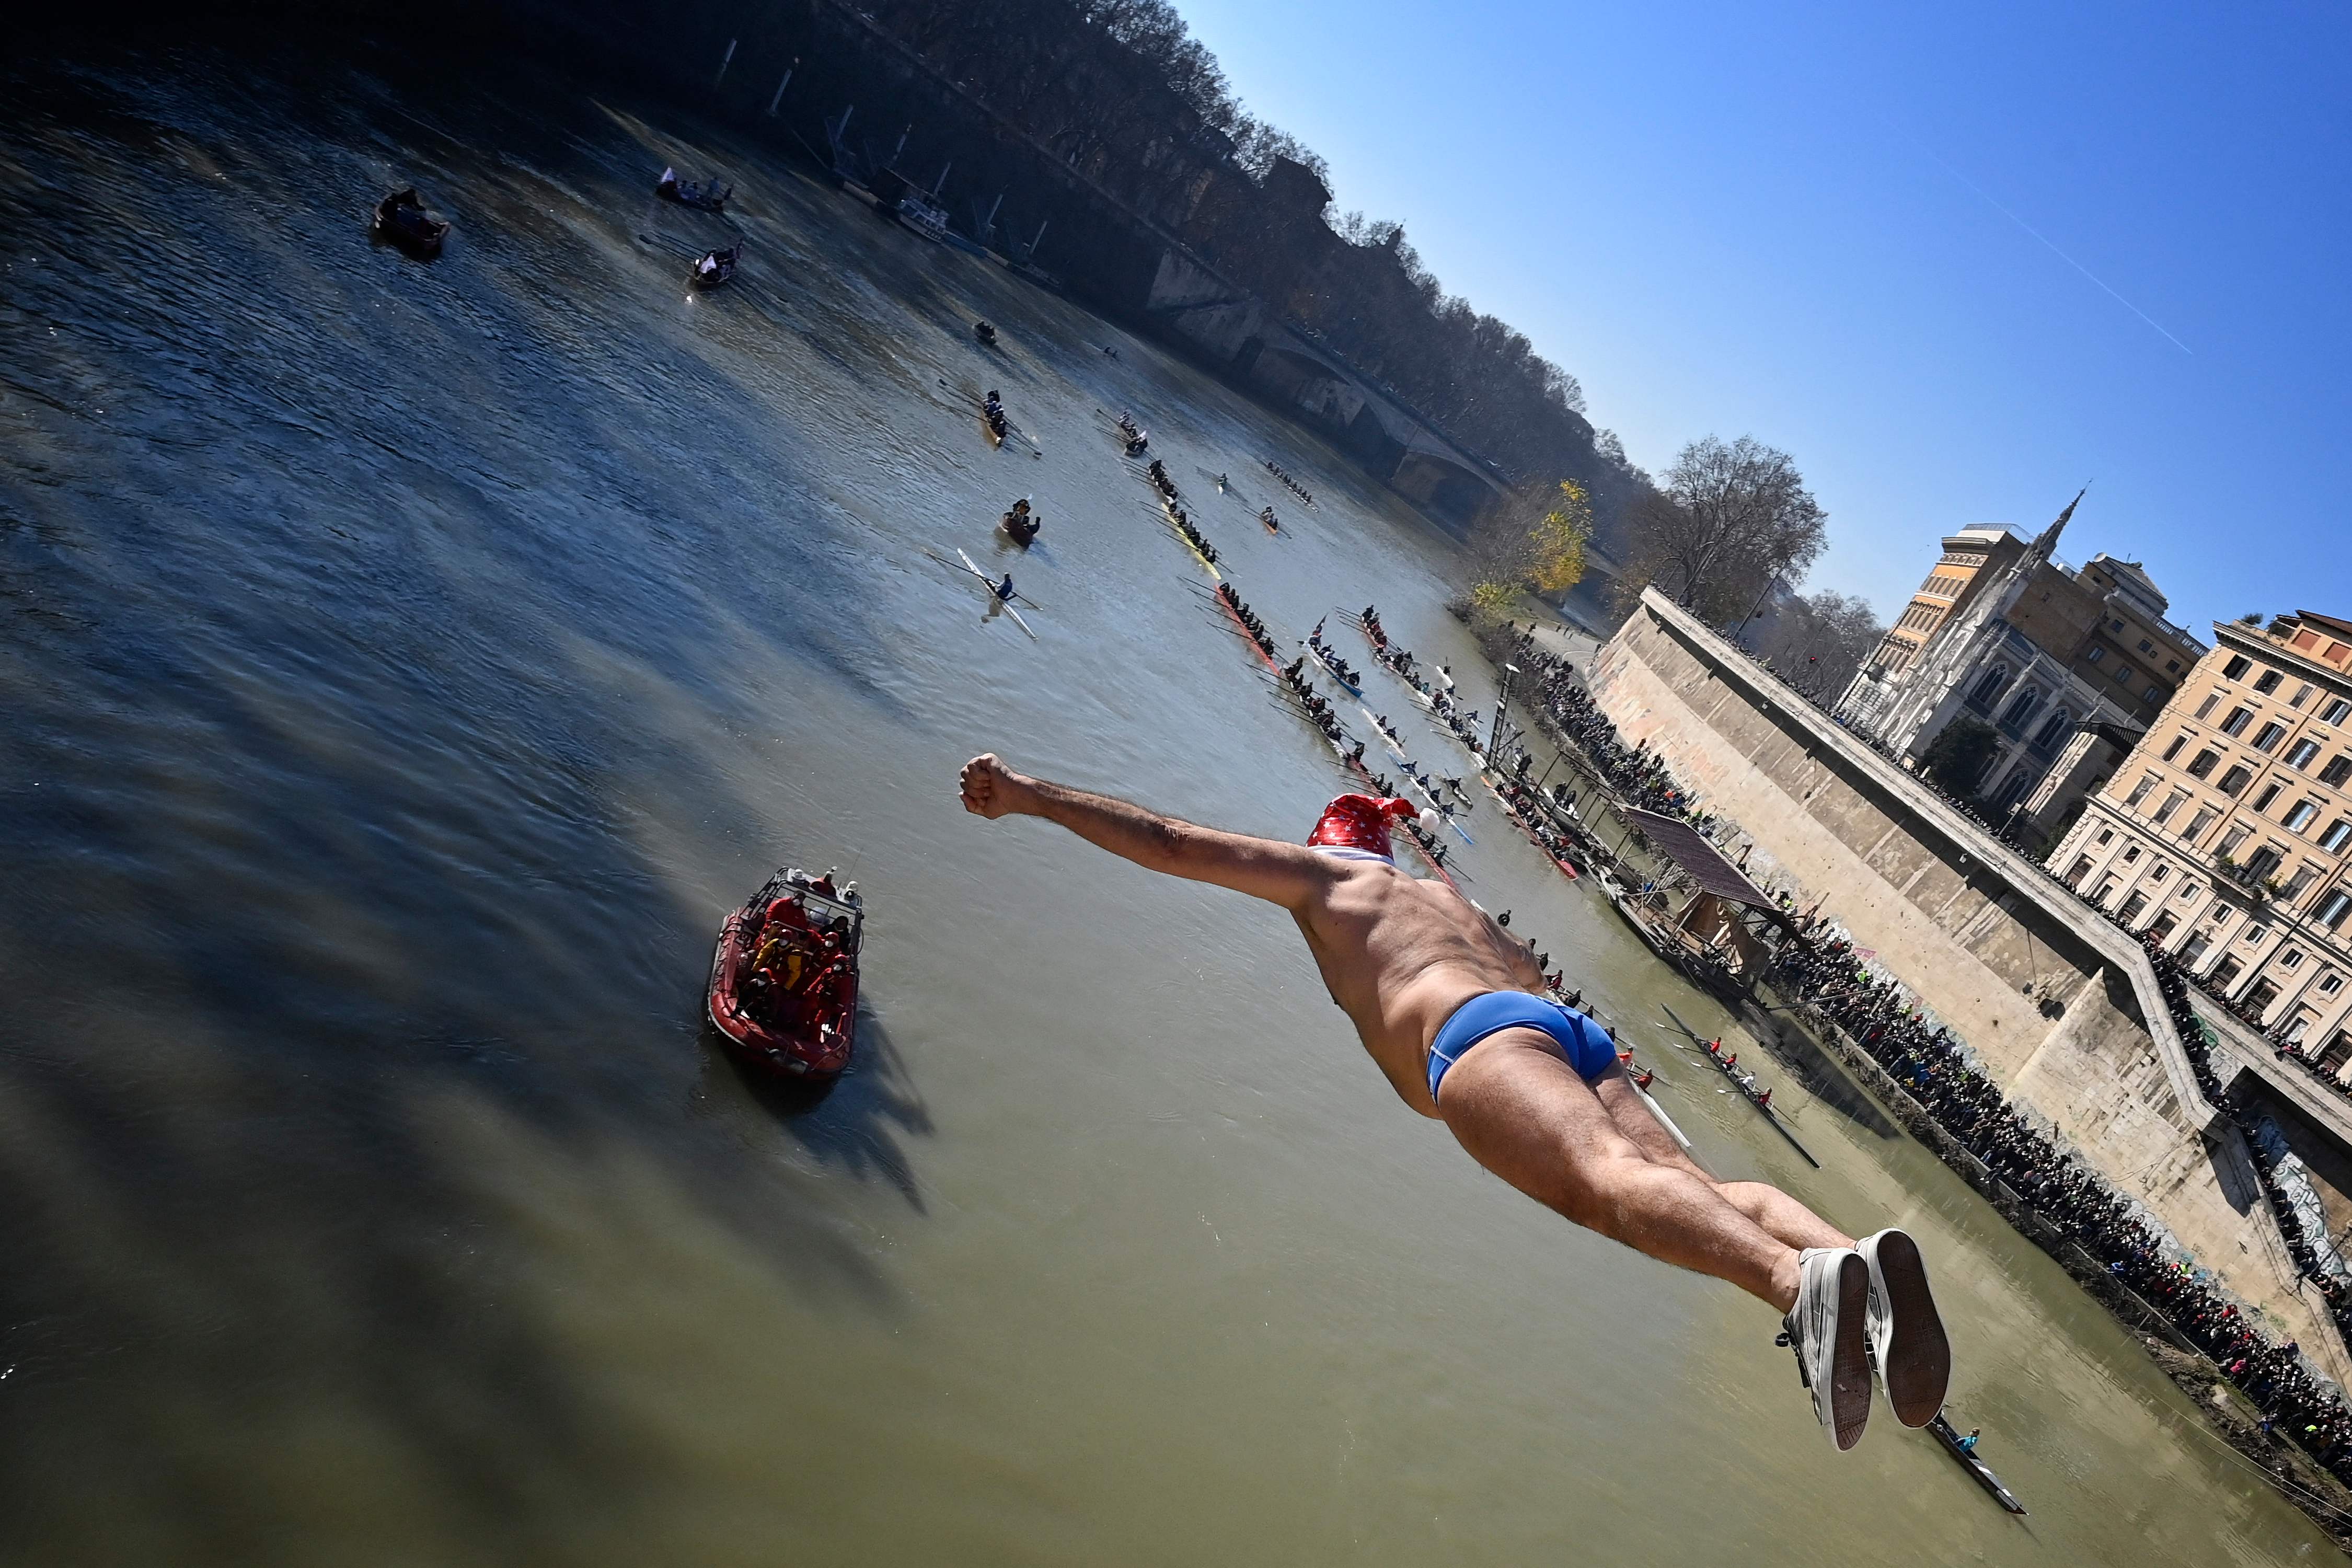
x,y
1586,1045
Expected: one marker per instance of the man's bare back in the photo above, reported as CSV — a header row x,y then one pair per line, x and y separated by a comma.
x,y
1401,957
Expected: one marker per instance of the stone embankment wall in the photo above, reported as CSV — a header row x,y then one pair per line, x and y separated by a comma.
x,y
2063,1010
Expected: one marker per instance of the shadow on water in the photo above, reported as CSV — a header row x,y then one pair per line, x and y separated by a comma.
x,y
390,655
853,1123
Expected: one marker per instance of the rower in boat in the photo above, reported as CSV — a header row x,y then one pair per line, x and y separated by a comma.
x,y
985,333
1266,517
401,220
717,267
1003,591
1221,484
1021,524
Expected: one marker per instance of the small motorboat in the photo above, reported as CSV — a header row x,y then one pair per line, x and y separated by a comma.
x,y
401,220
984,332
1020,527
783,981
714,267
709,195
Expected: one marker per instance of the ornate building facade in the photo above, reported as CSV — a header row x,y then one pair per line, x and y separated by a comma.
x,y
2061,668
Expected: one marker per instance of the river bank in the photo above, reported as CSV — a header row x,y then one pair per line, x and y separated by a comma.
x,y
1805,1036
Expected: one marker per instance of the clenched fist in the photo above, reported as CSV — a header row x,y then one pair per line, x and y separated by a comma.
x,y
991,789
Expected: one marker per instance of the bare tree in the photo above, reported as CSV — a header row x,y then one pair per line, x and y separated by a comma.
x,y
1816,641
1731,517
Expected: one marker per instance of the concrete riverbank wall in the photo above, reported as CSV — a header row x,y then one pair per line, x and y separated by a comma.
x,y
2063,1010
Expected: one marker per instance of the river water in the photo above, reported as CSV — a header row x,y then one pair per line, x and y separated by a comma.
x,y
404,665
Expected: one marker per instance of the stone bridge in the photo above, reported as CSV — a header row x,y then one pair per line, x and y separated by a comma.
x,y
1245,337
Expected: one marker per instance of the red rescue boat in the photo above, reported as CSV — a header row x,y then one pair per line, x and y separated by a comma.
x,y
784,982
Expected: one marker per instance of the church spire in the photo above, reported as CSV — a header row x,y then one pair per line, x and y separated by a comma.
x,y
2047,545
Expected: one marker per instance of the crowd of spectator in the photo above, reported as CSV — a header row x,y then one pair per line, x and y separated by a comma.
x,y
1932,1067
1637,774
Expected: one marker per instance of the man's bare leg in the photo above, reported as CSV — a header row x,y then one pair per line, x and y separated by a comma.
x,y
1781,1216
1522,1112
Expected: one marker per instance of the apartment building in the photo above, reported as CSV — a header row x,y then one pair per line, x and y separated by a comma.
x,y
2227,833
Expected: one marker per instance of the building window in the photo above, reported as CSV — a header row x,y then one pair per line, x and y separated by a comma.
x,y
2235,724
2237,778
2268,683
2299,816
2055,730
2153,694
2302,695
2160,873
2147,646
2124,676
2096,655
2023,708
2115,626
2290,959
2339,708
2205,707
2237,667
2298,756
2201,764
1990,685
2264,861
2228,970
2269,735
2338,770
2338,832
2172,802
2330,984
2172,666
2199,822
2132,908
2131,854
2081,869
2186,892
2254,934
2232,839
2300,883
2331,909
2263,801
2139,790
2106,836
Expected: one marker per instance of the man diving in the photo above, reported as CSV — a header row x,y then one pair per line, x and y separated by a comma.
x,y
1449,1006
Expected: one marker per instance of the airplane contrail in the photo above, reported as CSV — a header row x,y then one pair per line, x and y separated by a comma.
x,y
2037,233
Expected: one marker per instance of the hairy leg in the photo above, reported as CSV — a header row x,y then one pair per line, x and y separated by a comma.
x,y
1780,1215
1523,1113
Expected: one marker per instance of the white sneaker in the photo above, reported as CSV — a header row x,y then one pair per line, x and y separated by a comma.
x,y
1827,1330
1906,1335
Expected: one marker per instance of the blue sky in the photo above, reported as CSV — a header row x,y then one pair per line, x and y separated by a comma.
x,y
1755,220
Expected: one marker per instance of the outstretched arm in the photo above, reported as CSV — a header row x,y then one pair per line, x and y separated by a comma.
x,y
1286,874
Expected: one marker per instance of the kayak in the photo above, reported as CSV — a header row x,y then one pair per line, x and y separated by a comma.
x,y
783,979
1977,1468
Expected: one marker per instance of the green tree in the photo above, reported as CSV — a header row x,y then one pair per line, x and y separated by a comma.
x,y
1959,755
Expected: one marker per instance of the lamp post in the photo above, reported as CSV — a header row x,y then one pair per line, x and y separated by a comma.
x,y
1495,736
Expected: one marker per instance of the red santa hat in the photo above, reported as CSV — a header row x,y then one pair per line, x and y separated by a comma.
x,y
1360,823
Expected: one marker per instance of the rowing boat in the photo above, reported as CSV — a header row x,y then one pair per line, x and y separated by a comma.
x,y
964,564
1698,1047
989,584
1520,818
1331,669
401,220
1977,1468
1206,564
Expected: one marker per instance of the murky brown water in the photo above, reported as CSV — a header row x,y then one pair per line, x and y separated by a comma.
x,y
402,667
